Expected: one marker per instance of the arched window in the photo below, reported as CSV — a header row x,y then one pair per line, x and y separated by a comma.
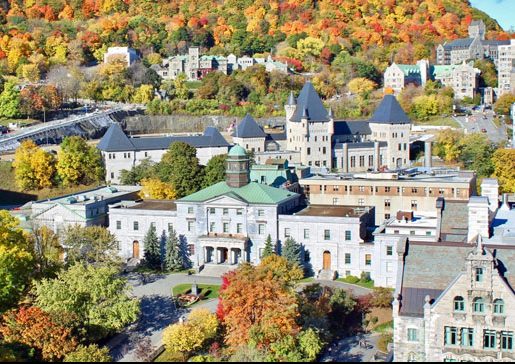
x,y
412,357
479,305
459,304
499,307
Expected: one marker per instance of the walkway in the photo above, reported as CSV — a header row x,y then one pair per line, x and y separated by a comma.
x,y
349,350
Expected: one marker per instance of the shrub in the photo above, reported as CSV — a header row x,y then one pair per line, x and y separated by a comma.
x,y
383,342
382,297
365,277
352,279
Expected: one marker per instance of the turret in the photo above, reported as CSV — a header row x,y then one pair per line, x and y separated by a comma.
x,y
237,174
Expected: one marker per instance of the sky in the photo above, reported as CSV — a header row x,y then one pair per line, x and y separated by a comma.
x,y
501,10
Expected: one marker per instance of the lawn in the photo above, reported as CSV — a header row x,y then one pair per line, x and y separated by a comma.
x,y
365,284
438,121
22,122
208,290
306,280
385,327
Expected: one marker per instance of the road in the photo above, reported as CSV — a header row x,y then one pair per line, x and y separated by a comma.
x,y
478,121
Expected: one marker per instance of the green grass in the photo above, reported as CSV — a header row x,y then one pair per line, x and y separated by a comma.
x,y
193,85
306,280
364,284
386,327
438,121
22,122
7,176
212,290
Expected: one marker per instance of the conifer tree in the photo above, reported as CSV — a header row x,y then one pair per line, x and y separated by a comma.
x,y
292,251
173,258
269,247
152,249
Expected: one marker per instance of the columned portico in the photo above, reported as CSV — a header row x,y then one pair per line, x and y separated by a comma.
x,y
224,250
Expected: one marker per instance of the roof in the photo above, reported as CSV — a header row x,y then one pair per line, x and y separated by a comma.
x,y
351,128
408,69
332,211
291,99
252,193
421,277
248,128
115,140
154,205
92,196
459,43
390,111
237,151
309,103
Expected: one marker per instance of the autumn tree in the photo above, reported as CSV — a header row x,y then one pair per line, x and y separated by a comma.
x,y
89,354
503,104
48,250
10,101
77,162
34,167
504,169
97,295
144,94
153,188
152,249
35,328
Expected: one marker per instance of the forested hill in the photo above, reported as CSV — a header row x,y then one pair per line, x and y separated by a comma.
x,y
46,32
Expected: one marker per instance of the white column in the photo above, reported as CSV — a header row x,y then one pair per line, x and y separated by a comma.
x,y
218,255
233,256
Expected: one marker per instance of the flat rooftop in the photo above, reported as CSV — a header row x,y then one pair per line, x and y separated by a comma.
x,y
333,211
418,221
92,195
156,205
455,177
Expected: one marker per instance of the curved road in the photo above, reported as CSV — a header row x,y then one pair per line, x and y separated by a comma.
x,y
478,121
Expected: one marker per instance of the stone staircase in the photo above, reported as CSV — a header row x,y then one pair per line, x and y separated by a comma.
x,y
326,275
216,270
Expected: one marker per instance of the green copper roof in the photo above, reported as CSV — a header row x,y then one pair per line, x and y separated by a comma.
x,y
441,70
252,193
237,151
408,68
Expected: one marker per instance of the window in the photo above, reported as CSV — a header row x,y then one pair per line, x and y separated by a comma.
x,y
451,335
498,307
370,160
286,232
309,151
479,274
389,250
226,227
412,335
239,228
414,190
414,204
507,341
239,212
467,337
327,234
261,229
412,232
306,233
489,339
347,258
387,189
212,211
261,212
212,227
118,225
112,175
361,160
479,305
361,202
191,249
368,259
353,162
136,226
170,226
348,235
335,201
361,188
153,224
190,210
459,304
428,233
226,211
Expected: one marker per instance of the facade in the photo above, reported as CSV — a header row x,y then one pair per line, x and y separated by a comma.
x,y
506,69
125,54
121,152
397,76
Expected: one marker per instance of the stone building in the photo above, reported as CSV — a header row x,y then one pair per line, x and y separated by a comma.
x,y
506,69
122,152
125,54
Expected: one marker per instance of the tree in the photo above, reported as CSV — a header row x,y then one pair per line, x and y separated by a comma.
x,y
504,169
191,335
488,75
34,327
89,354
144,94
144,170
153,188
10,100
91,245
292,251
269,247
97,295
502,106
214,171
180,167
476,153
77,162
34,168
47,250
382,297
152,249
361,86
174,261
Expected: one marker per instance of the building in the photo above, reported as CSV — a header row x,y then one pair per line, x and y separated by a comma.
x,y
122,152
398,76
87,208
125,54
506,69
389,192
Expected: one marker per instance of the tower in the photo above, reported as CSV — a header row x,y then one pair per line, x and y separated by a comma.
x,y
290,106
237,174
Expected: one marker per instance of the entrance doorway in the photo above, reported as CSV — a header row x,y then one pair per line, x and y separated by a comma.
x,y
327,260
224,252
135,249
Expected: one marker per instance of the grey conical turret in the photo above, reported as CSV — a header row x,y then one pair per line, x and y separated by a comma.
x,y
291,99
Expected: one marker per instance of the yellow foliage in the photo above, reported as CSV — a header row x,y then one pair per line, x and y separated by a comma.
x,y
504,165
34,168
155,189
361,86
144,94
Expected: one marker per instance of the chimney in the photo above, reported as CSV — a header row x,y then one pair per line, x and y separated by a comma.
x,y
478,218
428,157
490,189
505,204
345,158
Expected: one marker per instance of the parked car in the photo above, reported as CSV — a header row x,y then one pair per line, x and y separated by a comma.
x,y
4,129
483,130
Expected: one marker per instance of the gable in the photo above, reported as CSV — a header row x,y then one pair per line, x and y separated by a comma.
x,y
229,199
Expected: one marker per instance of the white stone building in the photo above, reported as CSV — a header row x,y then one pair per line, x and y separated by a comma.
x,y
121,152
125,54
506,69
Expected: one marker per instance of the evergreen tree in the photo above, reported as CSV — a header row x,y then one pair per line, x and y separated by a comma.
x,y
269,247
292,251
152,249
173,258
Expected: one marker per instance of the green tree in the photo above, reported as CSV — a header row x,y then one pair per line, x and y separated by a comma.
x,y
476,153
292,251
152,249
10,101
97,295
180,167
89,354
144,170
174,260
47,250
91,245
77,162
269,247
488,75
214,171
503,104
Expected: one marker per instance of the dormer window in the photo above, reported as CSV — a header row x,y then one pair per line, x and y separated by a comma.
x,y
479,274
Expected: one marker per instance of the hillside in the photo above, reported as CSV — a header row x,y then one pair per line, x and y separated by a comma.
x,y
46,32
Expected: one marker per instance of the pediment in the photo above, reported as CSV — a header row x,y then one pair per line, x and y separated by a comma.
x,y
228,199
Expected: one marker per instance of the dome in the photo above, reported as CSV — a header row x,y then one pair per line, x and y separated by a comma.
x,y
237,151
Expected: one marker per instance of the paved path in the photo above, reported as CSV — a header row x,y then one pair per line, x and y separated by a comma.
x,y
478,121
348,349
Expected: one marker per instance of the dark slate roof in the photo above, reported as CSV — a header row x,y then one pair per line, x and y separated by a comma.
x,y
421,278
351,128
115,140
360,145
390,112
291,99
495,42
309,103
248,128
276,136
459,43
